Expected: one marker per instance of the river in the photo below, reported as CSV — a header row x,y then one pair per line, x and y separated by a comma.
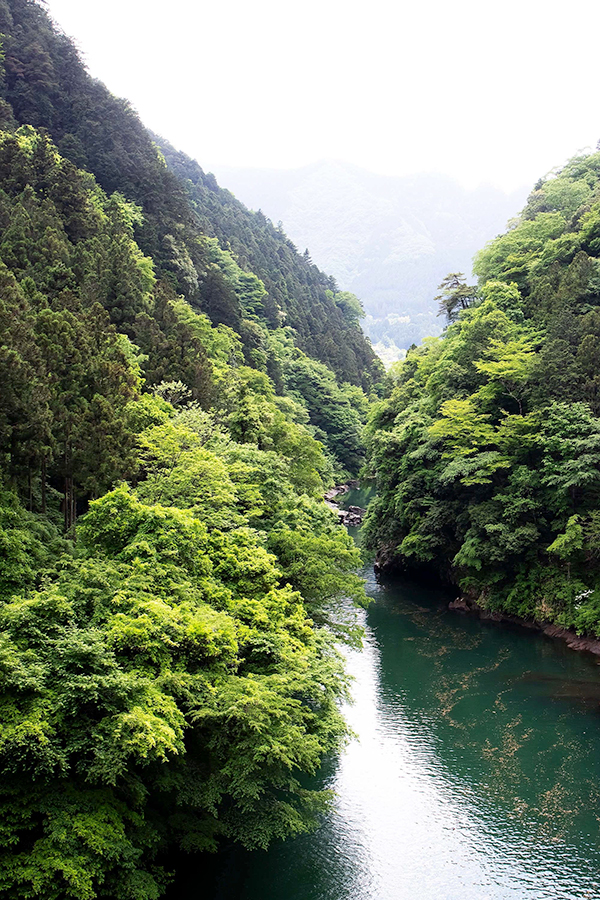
x,y
475,774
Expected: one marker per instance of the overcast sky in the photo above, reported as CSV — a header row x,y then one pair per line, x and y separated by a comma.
x,y
496,92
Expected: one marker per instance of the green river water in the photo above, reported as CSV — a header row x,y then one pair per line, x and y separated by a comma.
x,y
475,774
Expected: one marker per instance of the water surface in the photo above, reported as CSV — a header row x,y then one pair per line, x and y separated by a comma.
x,y
475,774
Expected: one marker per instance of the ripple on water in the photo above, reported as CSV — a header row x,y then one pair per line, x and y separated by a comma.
x,y
475,774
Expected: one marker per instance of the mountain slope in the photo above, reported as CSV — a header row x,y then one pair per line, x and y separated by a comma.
x,y
389,240
46,86
170,576
488,448
297,291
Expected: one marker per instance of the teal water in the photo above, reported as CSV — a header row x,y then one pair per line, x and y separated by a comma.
x,y
475,774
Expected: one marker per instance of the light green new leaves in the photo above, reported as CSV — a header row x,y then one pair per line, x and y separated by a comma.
x,y
165,676
462,428
508,366
180,472
564,545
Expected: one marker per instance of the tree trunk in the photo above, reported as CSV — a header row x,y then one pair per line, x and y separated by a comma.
x,y
66,504
70,504
14,451
69,497
43,485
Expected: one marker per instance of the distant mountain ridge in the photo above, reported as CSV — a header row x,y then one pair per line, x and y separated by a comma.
x,y
388,239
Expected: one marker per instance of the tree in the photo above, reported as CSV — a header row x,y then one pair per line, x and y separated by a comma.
x,y
350,306
162,687
455,295
508,365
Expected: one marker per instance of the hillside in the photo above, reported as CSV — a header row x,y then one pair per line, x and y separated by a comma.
x,y
170,575
487,450
388,240
46,86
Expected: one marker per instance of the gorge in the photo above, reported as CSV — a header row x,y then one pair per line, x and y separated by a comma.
x,y
179,607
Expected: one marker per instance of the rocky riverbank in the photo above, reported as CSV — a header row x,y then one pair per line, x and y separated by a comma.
x,y
387,562
353,515
571,638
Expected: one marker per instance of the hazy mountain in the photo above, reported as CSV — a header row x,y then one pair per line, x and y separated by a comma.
x,y
390,240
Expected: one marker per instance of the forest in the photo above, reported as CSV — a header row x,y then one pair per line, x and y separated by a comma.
x,y
487,449
178,389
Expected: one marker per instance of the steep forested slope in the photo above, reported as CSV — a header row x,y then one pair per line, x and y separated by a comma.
x,y
167,564
488,448
46,85
166,667
298,294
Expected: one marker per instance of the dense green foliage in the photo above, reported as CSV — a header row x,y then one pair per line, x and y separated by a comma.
x,y
170,677
44,84
298,295
488,447
168,568
162,684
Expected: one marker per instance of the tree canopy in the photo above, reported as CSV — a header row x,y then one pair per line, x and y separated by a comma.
x,y
487,446
178,391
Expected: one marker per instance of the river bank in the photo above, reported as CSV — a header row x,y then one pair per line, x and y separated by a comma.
x,y
573,640
351,515
386,563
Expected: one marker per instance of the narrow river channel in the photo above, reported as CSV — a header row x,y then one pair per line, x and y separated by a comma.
x,y
475,774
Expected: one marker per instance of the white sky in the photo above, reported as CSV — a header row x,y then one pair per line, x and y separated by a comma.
x,y
484,91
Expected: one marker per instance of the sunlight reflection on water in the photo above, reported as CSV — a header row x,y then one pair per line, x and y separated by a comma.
x,y
469,780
